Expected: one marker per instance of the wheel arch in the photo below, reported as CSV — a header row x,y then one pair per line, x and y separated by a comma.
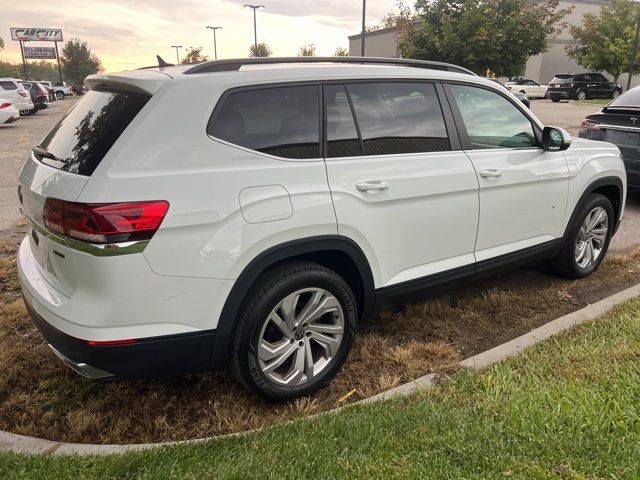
x,y
339,253
610,187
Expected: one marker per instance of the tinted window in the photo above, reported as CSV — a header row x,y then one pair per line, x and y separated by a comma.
x,y
598,77
282,121
399,118
8,85
87,132
342,135
491,120
562,79
530,82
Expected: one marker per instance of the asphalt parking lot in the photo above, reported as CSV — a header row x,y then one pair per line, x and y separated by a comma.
x,y
18,137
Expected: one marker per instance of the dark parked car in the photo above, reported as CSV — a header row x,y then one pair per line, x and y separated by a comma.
x,y
520,96
39,96
619,123
570,86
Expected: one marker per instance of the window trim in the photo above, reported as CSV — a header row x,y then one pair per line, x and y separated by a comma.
x,y
462,129
447,116
264,86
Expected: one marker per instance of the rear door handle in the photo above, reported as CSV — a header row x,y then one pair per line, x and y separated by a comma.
x,y
490,173
373,186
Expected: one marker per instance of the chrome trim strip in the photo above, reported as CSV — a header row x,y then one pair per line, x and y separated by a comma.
x,y
618,127
95,249
81,368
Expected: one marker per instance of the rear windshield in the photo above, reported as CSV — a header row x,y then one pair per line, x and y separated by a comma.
x,y
86,133
562,79
627,99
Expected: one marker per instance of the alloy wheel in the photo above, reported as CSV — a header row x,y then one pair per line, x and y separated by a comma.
x,y
591,238
582,95
301,336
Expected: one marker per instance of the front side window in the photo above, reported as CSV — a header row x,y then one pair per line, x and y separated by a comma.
x,y
281,121
491,120
399,118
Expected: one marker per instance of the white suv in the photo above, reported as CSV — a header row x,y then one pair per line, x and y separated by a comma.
x,y
13,90
255,223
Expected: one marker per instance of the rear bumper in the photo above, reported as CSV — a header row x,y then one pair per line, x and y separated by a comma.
x,y
561,95
146,358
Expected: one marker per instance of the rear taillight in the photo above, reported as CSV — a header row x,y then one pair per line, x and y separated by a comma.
x,y
590,124
22,93
104,222
42,91
5,105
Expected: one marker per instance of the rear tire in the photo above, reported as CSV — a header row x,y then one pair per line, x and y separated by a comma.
x,y
294,331
60,95
581,95
587,239
555,100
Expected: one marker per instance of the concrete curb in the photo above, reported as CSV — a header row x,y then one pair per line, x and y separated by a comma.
x,y
11,442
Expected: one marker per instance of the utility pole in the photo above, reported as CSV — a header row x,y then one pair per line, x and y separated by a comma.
x,y
364,14
177,47
215,47
633,55
255,31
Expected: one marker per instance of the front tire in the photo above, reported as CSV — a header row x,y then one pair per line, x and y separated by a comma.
x,y
555,100
294,332
587,239
60,95
581,95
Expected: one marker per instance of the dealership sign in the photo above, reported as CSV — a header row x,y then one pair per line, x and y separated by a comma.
x,y
40,53
36,34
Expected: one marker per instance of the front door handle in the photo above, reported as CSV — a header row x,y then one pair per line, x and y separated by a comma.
x,y
490,173
373,186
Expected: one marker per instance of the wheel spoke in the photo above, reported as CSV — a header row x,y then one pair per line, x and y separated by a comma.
x,y
288,307
281,324
268,351
279,360
324,328
311,304
308,360
329,344
328,304
581,251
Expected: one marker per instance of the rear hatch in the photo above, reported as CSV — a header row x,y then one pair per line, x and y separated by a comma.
x,y
60,166
561,82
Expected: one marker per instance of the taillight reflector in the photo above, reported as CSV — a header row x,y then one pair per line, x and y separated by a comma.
x,y
104,222
109,343
5,105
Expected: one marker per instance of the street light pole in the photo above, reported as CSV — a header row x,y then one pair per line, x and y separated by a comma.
x,y
364,13
634,54
215,47
177,47
255,30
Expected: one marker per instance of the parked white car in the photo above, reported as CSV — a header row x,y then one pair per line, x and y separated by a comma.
x,y
13,90
254,227
8,112
530,88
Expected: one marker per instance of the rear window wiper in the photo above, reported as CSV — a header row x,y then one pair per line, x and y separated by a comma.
x,y
43,152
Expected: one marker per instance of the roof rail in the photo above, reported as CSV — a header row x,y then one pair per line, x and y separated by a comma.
x,y
235,64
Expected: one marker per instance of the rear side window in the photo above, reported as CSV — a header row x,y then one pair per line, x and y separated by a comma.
x,y
281,121
342,134
398,117
86,133
8,85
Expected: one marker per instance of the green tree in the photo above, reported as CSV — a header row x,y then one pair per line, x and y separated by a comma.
x,y
262,50
11,70
78,61
341,52
194,55
605,42
479,34
307,51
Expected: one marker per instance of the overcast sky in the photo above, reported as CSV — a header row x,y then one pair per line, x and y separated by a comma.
x,y
128,34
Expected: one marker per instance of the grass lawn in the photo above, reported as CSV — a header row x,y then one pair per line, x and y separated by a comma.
x,y
566,409
596,101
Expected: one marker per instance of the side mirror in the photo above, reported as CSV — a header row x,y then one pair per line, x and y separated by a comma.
x,y
555,139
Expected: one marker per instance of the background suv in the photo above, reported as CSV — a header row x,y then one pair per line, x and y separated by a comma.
x,y
12,89
566,86
255,227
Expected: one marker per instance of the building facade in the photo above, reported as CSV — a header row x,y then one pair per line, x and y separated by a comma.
x,y
541,68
